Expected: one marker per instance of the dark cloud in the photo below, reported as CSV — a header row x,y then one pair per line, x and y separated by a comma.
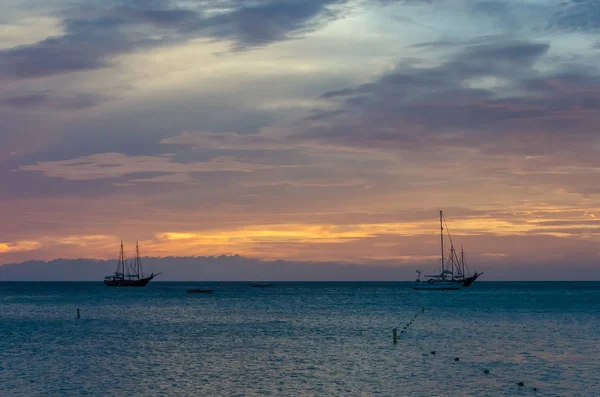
x,y
440,44
86,46
491,60
409,2
168,17
92,36
52,100
581,15
270,21
213,268
238,268
492,100
517,54
486,91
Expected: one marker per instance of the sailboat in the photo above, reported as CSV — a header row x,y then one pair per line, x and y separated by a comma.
x,y
134,276
445,280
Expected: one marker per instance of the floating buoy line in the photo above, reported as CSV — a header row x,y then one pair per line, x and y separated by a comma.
x,y
484,371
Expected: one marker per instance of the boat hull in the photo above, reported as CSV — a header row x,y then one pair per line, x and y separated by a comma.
x,y
200,291
469,280
438,285
116,282
261,285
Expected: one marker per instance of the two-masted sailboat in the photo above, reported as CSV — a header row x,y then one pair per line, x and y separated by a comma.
x,y
452,277
134,276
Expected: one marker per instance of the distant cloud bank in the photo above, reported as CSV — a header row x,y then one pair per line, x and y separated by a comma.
x,y
238,268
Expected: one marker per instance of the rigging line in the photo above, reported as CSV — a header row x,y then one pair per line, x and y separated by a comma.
x,y
468,269
454,255
447,229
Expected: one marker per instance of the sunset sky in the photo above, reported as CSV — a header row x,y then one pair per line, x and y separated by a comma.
x,y
315,130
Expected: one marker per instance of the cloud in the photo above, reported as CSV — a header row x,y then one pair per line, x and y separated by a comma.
x,y
407,237
500,10
329,182
495,123
228,140
80,50
484,96
493,261
19,246
52,100
27,29
115,165
94,36
206,268
499,112
582,15
267,22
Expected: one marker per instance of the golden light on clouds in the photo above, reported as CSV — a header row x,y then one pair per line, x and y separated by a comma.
x,y
85,241
19,246
242,239
402,242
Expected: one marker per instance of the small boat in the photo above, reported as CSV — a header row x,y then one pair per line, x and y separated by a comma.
x,y
134,276
261,285
200,291
445,280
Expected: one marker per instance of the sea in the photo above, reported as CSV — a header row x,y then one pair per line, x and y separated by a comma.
x,y
299,339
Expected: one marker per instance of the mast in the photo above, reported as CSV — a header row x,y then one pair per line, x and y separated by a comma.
x,y
462,260
452,255
442,241
138,260
122,260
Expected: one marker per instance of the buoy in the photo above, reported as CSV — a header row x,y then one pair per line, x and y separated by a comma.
x,y
521,384
535,389
456,358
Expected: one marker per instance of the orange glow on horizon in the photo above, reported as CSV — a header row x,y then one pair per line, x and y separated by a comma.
x,y
302,240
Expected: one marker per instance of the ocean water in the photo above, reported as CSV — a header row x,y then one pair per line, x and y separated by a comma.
x,y
299,339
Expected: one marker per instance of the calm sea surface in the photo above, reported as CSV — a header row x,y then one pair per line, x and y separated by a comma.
x,y
299,339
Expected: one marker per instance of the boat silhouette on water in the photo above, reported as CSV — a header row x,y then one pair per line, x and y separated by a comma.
x,y
261,285
464,274
455,277
134,276
200,291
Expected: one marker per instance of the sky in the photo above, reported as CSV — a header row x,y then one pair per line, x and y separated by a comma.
x,y
303,130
